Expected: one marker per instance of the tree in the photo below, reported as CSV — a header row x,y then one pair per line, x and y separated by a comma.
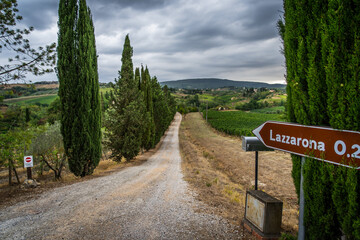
x,y
13,143
126,116
148,140
54,111
79,87
26,59
322,49
162,112
48,146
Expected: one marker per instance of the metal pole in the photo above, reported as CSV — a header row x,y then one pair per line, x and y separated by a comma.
x,y
301,233
256,169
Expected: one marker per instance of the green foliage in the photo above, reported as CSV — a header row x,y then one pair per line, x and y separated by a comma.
x,y
148,138
79,87
140,110
13,118
238,123
54,111
322,216
48,147
126,116
182,108
194,101
164,108
321,46
270,110
13,144
286,236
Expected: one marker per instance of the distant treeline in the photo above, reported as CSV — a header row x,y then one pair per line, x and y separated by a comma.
x,y
214,83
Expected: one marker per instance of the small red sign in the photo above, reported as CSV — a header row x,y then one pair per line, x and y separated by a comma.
x,y
28,161
340,147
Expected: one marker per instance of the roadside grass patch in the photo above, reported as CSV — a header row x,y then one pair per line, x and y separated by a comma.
x,y
233,195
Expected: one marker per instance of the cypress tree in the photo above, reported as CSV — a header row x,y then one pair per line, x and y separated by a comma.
x,y
149,134
161,110
126,114
322,49
79,87
137,77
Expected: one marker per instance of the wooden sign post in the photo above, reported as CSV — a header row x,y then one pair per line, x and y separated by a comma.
x,y
340,147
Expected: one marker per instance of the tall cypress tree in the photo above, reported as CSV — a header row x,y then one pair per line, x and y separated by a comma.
x,y
126,114
148,141
322,42
79,87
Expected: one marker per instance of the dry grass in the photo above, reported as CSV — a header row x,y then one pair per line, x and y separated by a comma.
x,y
37,86
220,172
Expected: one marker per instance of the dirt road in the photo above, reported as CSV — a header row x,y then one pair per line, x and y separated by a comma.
x,y
150,201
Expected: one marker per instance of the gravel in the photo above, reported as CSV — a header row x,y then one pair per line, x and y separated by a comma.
x,y
150,201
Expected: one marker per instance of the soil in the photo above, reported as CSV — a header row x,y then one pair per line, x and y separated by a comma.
x,y
220,172
15,193
148,201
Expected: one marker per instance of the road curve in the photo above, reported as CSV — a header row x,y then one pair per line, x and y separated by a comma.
x,y
150,201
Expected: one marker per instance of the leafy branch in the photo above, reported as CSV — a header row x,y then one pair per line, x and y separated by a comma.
x,y
27,59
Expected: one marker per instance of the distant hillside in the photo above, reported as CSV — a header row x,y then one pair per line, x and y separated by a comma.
x,y
212,83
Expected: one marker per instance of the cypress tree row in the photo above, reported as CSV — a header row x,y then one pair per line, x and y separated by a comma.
x,y
139,113
79,87
126,114
322,49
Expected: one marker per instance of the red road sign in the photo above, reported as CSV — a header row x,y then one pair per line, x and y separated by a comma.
x,y
28,161
340,147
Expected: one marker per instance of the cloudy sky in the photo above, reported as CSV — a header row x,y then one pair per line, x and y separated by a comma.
x,y
176,39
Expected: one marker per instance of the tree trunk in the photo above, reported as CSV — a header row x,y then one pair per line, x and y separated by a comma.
x,y
17,176
10,173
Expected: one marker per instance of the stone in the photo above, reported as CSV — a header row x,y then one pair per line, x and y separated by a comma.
x,y
30,183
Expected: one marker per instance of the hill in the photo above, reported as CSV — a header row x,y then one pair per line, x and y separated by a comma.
x,y
212,83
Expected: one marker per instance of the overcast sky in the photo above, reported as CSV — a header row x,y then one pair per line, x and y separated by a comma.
x,y
176,39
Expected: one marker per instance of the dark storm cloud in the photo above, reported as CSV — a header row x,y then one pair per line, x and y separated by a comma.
x,y
179,38
40,14
136,4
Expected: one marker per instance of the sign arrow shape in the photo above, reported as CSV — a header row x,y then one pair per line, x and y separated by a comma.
x,y
341,147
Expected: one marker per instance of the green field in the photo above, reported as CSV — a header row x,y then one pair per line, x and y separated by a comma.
x,y
104,90
206,97
270,110
31,100
239,123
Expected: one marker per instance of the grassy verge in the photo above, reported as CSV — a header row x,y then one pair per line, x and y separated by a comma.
x,y
220,172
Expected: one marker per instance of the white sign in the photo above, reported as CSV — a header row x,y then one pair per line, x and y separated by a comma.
x,y
28,161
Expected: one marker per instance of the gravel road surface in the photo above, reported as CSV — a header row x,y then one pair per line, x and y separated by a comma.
x,y
150,201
